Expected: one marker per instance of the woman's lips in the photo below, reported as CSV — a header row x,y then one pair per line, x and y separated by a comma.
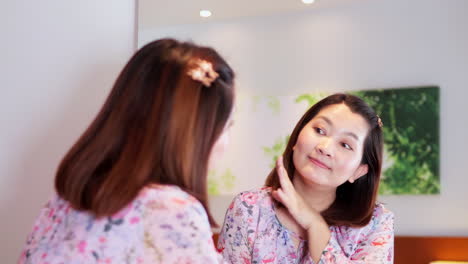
x,y
319,163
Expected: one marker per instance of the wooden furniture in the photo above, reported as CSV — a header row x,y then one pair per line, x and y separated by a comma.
x,y
422,250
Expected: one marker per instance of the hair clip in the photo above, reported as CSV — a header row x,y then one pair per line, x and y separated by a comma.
x,y
379,121
203,72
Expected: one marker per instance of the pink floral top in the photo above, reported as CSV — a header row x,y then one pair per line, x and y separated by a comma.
x,y
253,234
162,225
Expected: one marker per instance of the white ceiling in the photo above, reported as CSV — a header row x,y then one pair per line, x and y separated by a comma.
x,y
157,13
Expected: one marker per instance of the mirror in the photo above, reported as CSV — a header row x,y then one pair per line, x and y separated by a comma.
x,y
284,49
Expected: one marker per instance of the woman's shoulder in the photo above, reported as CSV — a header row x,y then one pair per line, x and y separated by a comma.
x,y
381,215
166,197
382,218
252,200
380,223
248,206
259,196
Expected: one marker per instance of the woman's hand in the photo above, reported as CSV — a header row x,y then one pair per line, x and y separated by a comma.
x,y
318,233
287,195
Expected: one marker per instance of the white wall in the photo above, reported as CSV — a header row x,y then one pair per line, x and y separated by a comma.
x,y
58,61
367,44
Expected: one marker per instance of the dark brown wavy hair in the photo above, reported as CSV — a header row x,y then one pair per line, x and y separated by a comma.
x,y
355,202
158,125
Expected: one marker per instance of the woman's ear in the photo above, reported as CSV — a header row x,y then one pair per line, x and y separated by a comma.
x,y
360,171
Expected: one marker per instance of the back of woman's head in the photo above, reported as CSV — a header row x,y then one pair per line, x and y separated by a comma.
x,y
354,203
158,125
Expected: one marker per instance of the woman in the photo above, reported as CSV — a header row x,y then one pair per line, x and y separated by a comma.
x,y
133,187
319,204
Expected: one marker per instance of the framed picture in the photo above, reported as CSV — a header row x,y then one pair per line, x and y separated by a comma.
x,y
411,135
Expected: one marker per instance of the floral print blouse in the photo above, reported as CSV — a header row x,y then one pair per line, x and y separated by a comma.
x,y
163,224
252,234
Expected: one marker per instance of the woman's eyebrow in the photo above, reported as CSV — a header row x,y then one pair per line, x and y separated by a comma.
x,y
327,120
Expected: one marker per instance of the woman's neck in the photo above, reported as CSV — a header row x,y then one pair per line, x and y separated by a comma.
x,y
317,197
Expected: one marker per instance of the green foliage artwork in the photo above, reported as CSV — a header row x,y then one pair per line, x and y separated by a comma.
x,y
310,99
220,184
273,103
411,134
276,150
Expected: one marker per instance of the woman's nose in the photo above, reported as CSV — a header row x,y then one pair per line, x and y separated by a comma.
x,y
324,147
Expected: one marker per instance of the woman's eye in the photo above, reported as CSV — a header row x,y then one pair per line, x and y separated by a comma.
x,y
346,146
319,131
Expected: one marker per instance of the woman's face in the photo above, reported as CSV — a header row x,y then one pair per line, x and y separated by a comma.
x,y
329,149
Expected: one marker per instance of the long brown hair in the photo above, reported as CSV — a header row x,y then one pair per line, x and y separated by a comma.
x,y
158,125
355,202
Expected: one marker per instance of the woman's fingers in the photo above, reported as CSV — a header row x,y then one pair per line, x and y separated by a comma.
x,y
277,196
288,196
281,197
285,182
279,170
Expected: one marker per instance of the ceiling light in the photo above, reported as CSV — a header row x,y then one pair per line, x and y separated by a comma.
x,y
308,1
205,13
